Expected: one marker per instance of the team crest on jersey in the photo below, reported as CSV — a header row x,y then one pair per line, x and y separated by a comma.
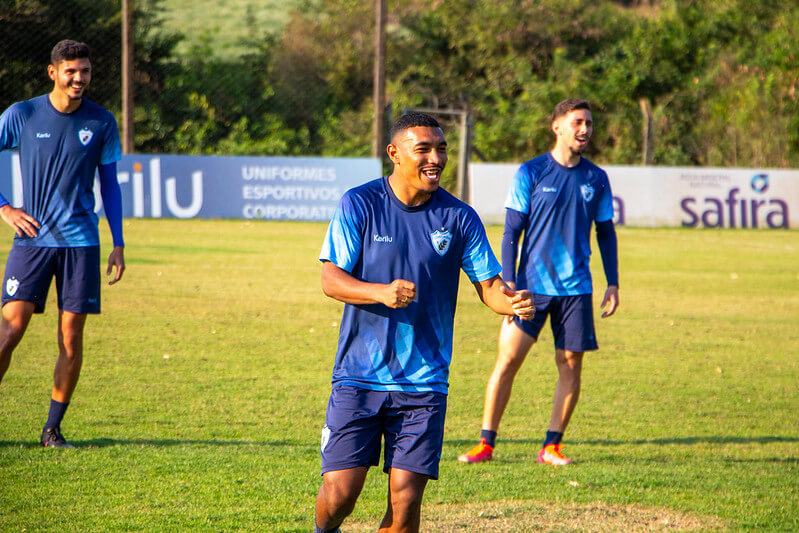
x,y
588,192
441,239
85,135
12,284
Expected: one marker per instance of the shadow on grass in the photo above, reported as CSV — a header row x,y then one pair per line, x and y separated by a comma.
x,y
726,439
107,443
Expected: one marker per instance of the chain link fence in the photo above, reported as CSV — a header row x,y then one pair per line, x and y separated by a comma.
x,y
244,77
211,91
30,28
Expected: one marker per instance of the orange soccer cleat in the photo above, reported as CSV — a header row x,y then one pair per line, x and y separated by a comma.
x,y
480,453
550,454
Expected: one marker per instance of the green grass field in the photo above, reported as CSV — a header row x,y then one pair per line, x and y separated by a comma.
x,y
206,378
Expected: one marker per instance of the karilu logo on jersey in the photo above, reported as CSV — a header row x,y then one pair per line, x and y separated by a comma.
x,y
441,239
85,135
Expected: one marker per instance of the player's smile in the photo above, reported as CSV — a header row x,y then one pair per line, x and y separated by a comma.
x,y
432,173
573,131
420,156
581,142
71,77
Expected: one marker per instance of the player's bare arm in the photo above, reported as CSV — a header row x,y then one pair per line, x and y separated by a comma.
x,y
22,222
503,300
610,302
116,260
340,285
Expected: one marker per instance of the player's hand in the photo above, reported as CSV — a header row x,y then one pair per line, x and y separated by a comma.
x,y
512,286
116,259
22,222
610,302
399,294
521,302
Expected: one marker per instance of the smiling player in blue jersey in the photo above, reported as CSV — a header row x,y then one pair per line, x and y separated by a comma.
x,y
553,200
63,139
393,254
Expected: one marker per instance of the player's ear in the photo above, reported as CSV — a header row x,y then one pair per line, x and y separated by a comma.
x,y
51,70
392,150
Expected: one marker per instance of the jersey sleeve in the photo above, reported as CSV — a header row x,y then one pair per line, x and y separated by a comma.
x,y
344,239
605,208
478,260
112,149
11,123
521,188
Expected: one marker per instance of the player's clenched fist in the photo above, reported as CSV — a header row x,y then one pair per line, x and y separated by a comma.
x,y
399,294
521,302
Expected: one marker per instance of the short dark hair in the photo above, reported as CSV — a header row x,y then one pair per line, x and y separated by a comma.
x,y
68,50
414,119
567,106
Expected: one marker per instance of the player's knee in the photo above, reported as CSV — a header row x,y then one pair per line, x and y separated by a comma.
x,y
569,360
509,363
340,499
11,332
407,495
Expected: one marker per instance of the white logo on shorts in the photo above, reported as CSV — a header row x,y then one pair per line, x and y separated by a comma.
x,y
325,437
85,136
12,284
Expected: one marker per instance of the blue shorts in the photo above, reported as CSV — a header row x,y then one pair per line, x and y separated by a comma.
x,y
570,317
30,269
412,424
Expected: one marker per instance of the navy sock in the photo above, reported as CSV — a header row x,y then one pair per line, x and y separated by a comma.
x,y
57,410
553,437
489,436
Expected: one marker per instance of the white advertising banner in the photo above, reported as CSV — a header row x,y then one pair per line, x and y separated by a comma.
x,y
669,196
185,186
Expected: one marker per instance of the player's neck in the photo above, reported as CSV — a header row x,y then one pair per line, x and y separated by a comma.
x,y
564,156
409,196
63,103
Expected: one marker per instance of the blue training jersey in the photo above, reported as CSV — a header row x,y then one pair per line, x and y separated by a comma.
x,y
59,154
378,239
559,203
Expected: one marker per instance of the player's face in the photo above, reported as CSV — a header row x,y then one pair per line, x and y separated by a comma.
x,y
573,130
419,155
71,77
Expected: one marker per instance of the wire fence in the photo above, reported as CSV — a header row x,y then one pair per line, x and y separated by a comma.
x,y
211,92
295,77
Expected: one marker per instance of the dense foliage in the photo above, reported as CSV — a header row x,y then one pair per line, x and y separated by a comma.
x,y
694,82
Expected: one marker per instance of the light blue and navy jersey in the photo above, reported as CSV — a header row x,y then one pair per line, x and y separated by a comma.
x,y
559,204
378,239
59,154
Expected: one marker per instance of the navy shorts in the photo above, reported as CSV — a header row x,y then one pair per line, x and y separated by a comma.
x,y
412,424
30,269
570,317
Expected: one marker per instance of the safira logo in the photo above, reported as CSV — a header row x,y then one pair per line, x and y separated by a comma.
x,y
735,212
760,183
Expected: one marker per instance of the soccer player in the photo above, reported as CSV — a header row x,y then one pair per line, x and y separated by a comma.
x,y
63,138
393,254
553,199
